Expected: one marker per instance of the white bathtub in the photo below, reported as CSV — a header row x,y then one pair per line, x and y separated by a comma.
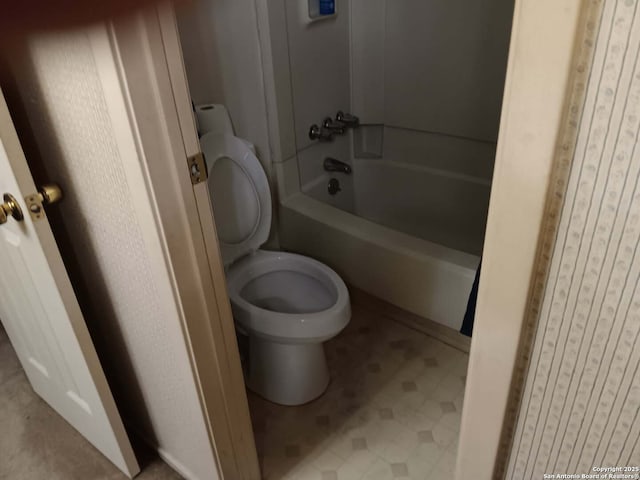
x,y
408,234
442,207
422,277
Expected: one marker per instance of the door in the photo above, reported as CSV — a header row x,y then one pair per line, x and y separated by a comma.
x,y
42,318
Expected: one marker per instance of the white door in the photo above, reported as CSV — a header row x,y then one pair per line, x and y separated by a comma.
x,y
41,315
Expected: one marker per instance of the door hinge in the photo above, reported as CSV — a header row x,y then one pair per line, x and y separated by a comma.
x,y
197,168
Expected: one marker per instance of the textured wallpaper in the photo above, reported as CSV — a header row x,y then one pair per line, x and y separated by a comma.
x,y
140,342
580,404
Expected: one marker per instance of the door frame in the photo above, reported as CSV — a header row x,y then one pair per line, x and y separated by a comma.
x,y
150,71
534,111
545,39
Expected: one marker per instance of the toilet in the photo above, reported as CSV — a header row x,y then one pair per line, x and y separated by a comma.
x,y
286,304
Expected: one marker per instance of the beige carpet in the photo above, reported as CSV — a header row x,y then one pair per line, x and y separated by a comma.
x,y
36,443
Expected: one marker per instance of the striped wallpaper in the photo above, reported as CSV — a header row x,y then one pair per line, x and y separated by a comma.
x,y
580,401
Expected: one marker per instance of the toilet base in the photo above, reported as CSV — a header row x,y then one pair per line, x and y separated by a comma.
x,y
288,374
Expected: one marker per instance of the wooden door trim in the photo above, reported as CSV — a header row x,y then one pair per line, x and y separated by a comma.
x,y
539,74
152,76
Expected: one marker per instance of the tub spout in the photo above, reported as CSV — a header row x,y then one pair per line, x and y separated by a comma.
x,y
333,165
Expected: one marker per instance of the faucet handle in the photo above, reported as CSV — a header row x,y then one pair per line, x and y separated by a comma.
x,y
334,126
347,119
322,134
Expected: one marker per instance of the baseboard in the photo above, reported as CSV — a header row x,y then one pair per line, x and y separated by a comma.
x,y
175,464
166,457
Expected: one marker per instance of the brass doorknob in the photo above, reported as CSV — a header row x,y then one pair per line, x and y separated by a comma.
x,y
10,207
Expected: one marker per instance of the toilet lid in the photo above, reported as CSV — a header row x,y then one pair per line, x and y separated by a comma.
x,y
240,195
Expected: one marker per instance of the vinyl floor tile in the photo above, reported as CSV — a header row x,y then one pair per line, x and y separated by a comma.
x,y
392,409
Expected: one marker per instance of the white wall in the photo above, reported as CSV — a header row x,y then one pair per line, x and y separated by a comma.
x,y
222,55
320,72
429,68
319,63
432,72
368,27
434,65
232,49
311,69
445,63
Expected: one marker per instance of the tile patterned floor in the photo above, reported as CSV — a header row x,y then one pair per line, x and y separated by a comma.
x,y
391,411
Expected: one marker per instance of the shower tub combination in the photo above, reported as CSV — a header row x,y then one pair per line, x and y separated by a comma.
x,y
409,234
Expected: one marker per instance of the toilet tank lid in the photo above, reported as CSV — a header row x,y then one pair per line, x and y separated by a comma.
x,y
240,195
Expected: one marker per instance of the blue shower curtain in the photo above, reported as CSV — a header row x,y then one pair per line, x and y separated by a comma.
x,y
467,322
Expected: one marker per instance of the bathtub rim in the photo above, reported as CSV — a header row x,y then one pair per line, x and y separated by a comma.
x,y
380,235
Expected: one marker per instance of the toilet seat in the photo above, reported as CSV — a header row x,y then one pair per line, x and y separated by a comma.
x,y
240,195
323,314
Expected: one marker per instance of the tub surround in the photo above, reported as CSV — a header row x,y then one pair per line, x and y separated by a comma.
x,y
417,199
458,155
449,54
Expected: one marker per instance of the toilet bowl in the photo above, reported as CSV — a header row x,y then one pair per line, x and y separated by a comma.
x,y
286,304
